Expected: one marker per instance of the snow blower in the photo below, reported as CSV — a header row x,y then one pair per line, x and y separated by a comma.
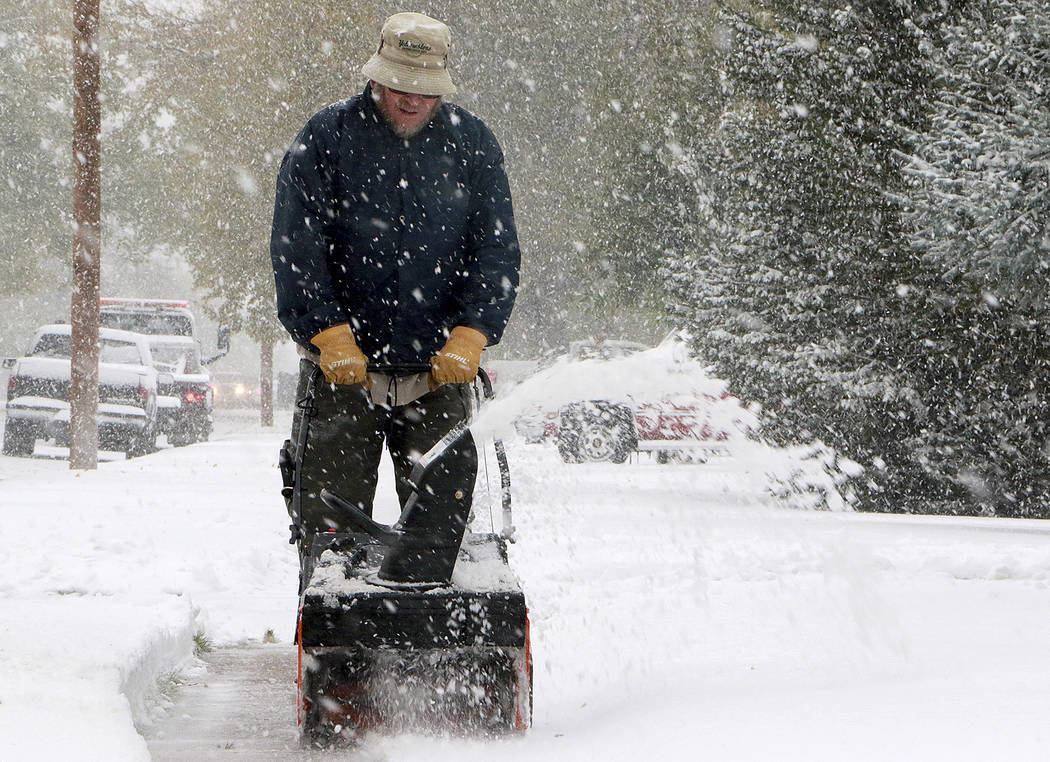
x,y
403,629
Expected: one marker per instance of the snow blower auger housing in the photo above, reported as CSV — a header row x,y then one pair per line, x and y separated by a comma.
x,y
448,659
392,655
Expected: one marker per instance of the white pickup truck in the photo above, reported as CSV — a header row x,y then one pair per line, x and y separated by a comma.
x,y
38,393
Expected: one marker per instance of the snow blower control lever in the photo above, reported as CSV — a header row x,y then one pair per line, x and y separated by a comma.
x,y
422,545
418,525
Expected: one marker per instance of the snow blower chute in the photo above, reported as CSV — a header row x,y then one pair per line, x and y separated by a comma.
x,y
391,639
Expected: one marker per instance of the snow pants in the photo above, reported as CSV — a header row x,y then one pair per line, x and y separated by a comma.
x,y
341,434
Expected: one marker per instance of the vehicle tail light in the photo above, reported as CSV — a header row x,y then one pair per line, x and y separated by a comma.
x,y
143,394
192,396
12,384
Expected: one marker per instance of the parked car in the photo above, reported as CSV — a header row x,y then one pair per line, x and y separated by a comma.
x,y
670,428
185,403
38,392
610,399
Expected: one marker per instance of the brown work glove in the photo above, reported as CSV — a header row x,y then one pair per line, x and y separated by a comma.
x,y
342,362
458,360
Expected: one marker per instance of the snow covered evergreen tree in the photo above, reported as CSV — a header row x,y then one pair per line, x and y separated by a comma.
x,y
869,256
981,229
794,280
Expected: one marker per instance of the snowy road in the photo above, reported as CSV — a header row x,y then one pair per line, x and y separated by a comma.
x,y
678,613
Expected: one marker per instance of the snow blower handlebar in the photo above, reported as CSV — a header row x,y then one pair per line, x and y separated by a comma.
x,y
399,369
291,455
415,478
388,533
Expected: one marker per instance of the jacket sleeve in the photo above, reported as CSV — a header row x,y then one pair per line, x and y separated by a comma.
x,y
299,239
494,258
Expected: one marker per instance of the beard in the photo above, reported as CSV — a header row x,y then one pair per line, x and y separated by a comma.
x,y
403,124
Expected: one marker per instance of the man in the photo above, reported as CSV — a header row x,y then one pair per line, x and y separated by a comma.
x,y
393,245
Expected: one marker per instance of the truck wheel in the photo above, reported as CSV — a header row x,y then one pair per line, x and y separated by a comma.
x,y
19,438
202,430
596,431
190,430
141,443
181,436
205,432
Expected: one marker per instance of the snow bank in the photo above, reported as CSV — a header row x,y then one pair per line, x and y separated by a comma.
x,y
107,576
679,613
80,672
811,477
663,372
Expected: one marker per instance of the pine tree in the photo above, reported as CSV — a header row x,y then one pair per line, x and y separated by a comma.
x,y
793,285
981,194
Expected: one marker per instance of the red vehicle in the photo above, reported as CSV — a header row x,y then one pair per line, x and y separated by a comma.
x,y
676,413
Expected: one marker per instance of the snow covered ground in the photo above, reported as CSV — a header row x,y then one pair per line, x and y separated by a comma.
x,y
678,611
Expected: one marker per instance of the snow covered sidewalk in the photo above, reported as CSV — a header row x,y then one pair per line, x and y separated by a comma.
x,y
679,614
678,611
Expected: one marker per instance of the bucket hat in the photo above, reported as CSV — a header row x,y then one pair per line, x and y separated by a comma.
x,y
412,56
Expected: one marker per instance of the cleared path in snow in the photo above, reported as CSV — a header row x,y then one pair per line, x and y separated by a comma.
x,y
243,708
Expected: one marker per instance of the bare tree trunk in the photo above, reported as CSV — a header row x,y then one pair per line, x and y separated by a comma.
x,y
87,229
266,383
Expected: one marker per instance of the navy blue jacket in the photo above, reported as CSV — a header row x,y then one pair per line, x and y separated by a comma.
x,y
402,239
